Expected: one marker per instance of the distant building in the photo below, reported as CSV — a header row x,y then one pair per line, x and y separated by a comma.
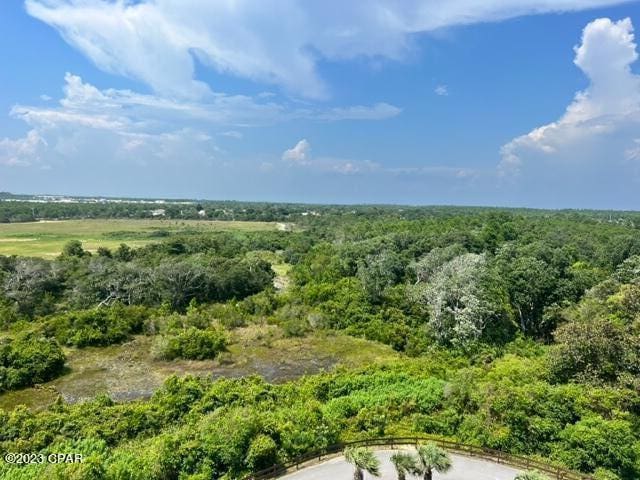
x,y
160,212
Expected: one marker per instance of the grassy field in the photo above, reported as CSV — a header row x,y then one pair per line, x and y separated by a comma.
x,y
46,239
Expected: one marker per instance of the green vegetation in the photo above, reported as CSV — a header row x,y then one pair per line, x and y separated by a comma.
x,y
191,344
513,330
429,458
28,359
432,458
98,327
48,238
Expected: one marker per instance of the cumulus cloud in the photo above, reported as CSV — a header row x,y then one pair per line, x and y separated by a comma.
x,y
22,151
160,41
299,154
93,125
600,124
134,120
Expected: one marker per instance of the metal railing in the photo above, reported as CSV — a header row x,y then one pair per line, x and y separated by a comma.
x,y
518,461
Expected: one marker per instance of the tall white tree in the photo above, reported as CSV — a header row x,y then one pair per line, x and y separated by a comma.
x,y
454,299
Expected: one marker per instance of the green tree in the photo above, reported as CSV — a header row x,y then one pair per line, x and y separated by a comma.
x,y
378,272
73,248
595,350
123,253
596,442
430,458
530,283
363,460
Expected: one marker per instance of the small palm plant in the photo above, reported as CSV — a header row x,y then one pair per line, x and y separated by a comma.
x,y
363,460
405,464
430,458
531,476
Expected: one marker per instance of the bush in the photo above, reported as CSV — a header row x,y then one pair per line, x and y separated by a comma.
x,y
27,360
262,453
596,350
595,442
191,344
97,327
294,320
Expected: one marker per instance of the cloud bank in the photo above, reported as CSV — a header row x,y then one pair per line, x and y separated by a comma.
x,y
271,41
137,124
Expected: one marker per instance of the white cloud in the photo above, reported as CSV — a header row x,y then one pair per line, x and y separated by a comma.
x,y
22,151
143,119
232,134
436,171
349,167
45,98
271,41
602,121
441,90
92,125
85,104
379,111
299,154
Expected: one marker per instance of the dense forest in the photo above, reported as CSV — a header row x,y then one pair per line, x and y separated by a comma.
x,y
517,330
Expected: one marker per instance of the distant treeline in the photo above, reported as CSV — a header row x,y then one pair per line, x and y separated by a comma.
x,y
15,208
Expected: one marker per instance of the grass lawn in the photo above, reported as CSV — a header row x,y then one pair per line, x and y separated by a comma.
x,y
46,239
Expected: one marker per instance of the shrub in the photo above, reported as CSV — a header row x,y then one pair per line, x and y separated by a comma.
x,y
262,452
97,327
191,344
27,360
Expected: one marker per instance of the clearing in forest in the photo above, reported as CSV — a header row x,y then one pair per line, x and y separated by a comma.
x,y
46,238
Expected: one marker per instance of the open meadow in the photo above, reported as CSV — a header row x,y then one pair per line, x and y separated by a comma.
x,y
47,238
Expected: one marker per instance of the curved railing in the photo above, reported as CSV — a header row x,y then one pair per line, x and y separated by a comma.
x,y
517,461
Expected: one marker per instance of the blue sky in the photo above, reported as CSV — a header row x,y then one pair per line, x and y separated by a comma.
x,y
493,102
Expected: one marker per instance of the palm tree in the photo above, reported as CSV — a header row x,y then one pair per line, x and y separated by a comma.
x,y
531,476
430,458
406,464
362,460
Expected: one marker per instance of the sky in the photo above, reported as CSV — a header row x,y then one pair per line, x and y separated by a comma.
x,y
523,103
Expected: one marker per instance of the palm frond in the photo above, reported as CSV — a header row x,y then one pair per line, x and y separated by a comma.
x,y
405,463
364,459
433,457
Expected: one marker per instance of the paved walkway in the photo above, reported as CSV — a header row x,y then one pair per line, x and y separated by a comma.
x,y
464,468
